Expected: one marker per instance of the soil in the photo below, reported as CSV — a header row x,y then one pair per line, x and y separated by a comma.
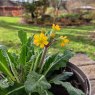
x,y
58,90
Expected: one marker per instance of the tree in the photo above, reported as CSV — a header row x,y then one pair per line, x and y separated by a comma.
x,y
33,6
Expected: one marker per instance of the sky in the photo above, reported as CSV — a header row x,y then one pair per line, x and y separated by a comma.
x,y
24,0
20,0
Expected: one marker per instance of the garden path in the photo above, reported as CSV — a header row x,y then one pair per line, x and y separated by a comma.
x,y
87,65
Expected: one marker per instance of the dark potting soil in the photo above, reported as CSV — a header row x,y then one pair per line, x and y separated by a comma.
x,y
59,90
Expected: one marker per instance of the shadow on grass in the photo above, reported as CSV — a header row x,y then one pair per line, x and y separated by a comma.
x,y
32,28
18,26
10,44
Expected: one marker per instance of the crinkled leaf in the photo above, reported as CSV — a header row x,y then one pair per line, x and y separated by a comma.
x,y
3,50
61,60
14,58
11,65
27,51
63,76
4,62
4,83
36,83
71,90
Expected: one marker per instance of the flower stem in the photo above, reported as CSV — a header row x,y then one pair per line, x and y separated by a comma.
x,y
36,62
48,70
42,59
31,67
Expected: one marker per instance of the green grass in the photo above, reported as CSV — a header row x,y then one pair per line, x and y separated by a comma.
x,y
80,40
9,26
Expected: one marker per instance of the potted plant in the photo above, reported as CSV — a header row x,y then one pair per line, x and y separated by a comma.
x,y
35,72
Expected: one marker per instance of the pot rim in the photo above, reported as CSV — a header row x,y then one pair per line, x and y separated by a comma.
x,y
82,76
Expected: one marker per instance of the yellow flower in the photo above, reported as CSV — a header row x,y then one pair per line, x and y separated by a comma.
x,y
40,40
56,27
52,35
62,44
64,41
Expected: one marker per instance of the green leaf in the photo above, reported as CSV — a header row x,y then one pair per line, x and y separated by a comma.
x,y
71,90
47,93
12,66
3,91
7,64
36,83
4,62
27,51
30,52
49,61
30,41
18,90
23,55
59,61
14,58
30,49
4,83
63,76
2,55
2,47
23,36
6,70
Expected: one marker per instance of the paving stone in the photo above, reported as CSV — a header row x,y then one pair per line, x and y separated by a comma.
x,y
93,87
81,59
89,70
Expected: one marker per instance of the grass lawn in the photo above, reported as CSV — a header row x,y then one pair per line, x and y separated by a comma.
x,y
79,36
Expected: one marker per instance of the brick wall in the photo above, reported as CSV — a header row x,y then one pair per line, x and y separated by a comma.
x,y
11,11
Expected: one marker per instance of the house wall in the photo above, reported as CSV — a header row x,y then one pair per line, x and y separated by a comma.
x,y
11,11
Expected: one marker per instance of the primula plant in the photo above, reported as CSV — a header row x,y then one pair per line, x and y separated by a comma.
x,y
34,70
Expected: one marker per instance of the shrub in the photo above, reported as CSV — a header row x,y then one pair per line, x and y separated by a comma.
x,y
71,16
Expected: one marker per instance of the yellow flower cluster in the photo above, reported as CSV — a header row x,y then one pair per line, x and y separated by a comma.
x,y
64,40
40,40
56,27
